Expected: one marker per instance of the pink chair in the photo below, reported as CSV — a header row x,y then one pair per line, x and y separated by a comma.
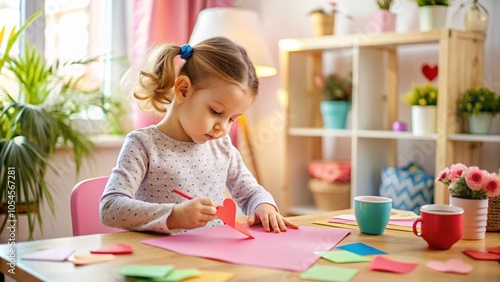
x,y
85,216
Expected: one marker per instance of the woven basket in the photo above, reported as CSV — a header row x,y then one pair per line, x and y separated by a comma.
x,y
493,223
330,196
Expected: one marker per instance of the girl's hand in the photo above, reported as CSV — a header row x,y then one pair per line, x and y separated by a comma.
x,y
270,219
192,214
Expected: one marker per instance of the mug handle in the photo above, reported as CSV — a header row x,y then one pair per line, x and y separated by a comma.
x,y
419,234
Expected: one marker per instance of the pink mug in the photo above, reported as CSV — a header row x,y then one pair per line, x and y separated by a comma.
x,y
441,225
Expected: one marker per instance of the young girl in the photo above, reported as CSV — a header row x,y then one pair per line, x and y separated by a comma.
x,y
189,149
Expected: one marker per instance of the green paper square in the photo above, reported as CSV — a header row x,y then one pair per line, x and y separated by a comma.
x,y
146,271
342,256
329,273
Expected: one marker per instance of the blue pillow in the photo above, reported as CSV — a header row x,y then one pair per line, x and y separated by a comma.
x,y
409,187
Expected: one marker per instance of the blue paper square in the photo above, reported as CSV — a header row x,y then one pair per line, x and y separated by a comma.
x,y
361,249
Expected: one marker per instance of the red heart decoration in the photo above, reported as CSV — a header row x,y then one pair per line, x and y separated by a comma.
x,y
430,72
227,213
118,249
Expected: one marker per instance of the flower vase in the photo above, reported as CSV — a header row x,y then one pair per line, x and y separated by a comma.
x,y
475,217
480,123
476,19
423,119
323,24
335,114
382,21
432,16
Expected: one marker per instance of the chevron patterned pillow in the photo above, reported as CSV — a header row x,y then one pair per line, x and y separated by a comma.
x,y
409,187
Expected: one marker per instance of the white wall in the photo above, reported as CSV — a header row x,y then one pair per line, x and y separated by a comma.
x,y
289,19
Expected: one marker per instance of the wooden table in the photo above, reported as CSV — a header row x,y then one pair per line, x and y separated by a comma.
x,y
399,245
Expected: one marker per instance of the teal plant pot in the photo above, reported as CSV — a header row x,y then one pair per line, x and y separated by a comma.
x,y
480,123
335,114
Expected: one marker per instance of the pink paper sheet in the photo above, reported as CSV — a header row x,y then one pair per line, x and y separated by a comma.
x,y
292,250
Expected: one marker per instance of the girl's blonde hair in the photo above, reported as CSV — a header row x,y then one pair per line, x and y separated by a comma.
x,y
215,58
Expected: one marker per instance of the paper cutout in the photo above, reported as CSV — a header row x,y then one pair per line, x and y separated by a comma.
x,y
495,250
227,213
211,276
385,264
430,72
402,215
342,256
479,255
118,249
397,222
361,249
329,273
146,271
451,265
266,250
56,254
175,275
90,259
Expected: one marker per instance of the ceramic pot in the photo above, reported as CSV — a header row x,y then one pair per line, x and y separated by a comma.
x,y
475,217
334,114
476,19
423,119
382,21
480,123
431,17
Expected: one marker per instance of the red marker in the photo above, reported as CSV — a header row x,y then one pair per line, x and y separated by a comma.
x,y
183,194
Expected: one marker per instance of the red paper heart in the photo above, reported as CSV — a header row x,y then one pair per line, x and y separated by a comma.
x,y
430,72
118,249
227,213
478,255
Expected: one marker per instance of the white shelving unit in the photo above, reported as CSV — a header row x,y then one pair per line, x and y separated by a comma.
x,y
375,106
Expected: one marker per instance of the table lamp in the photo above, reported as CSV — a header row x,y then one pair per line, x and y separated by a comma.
x,y
244,28
241,26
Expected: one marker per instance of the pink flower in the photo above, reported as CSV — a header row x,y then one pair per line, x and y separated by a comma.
x,y
456,171
443,175
474,177
491,185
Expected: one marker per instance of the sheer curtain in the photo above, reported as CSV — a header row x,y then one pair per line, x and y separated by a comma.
x,y
158,21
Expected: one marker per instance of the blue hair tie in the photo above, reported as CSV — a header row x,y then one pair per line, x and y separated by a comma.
x,y
186,51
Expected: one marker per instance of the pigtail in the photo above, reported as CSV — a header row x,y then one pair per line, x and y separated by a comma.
x,y
156,81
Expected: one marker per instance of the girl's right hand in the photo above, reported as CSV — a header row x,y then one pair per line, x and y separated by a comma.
x,y
192,214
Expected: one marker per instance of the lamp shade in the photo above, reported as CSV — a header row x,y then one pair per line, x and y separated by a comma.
x,y
241,26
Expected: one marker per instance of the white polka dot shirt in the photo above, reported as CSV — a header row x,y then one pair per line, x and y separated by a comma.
x,y
139,194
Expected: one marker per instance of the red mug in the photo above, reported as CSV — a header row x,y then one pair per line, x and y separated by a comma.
x,y
440,225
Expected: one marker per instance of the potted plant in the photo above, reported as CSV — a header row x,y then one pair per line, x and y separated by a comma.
x,y
323,21
35,117
478,105
382,19
470,188
337,92
432,14
423,100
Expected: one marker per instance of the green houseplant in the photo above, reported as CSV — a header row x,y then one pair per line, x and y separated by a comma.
x,y
337,93
35,117
423,100
478,105
432,14
384,4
